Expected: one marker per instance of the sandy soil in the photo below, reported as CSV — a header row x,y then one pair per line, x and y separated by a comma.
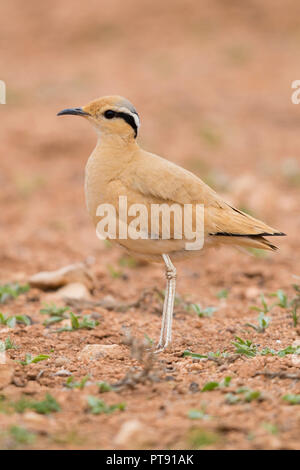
x,y
212,84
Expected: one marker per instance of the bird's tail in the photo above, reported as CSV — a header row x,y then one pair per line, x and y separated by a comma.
x,y
238,228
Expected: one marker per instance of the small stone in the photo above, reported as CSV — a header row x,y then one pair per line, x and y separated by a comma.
x,y
75,290
62,373
72,273
130,432
6,373
36,422
19,382
61,361
194,387
252,293
32,387
92,352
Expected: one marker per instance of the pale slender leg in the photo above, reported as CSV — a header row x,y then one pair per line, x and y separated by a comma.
x,y
166,327
164,317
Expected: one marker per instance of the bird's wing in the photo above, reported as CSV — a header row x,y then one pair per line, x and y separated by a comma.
x,y
158,179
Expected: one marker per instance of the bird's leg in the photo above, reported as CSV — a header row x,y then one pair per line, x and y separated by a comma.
x,y
164,317
166,327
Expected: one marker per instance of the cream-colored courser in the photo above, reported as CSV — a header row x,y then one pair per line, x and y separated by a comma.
x,y
119,167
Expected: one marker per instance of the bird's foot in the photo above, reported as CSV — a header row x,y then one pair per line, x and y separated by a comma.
x,y
162,347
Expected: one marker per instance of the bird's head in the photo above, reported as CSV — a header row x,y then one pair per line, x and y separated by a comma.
x,y
110,115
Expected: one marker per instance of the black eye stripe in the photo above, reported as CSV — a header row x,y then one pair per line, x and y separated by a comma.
x,y
110,114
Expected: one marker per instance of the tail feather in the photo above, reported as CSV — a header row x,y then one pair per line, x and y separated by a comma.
x,y
238,228
251,241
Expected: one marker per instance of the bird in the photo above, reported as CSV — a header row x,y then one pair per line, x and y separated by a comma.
x,y
119,168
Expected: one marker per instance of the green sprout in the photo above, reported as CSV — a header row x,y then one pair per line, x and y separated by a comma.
x,y
71,383
7,344
11,291
104,387
97,406
203,312
198,414
86,323
33,360
245,347
21,435
292,399
263,323
45,407
13,320
265,308
222,294
56,314
213,385
243,394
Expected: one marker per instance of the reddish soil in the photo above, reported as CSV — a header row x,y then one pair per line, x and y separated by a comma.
x,y
212,84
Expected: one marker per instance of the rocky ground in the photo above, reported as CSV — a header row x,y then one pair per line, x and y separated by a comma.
x,y
212,84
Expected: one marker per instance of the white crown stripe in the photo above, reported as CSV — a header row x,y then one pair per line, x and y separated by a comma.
x,y
134,115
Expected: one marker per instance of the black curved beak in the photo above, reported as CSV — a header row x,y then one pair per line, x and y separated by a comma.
x,y
75,111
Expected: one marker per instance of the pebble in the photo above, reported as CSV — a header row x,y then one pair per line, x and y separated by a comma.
x,y
75,290
92,352
62,373
61,360
131,432
6,373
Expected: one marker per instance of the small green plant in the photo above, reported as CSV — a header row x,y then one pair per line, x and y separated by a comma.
x,y
265,308
11,291
211,354
270,428
21,435
115,273
71,383
198,414
198,438
33,360
292,304
210,386
187,353
13,320
56,314
203,312
213,385
97,406
53,310
249,395
292,399
245,347
282,352
283,301
244,394
104,387
222,294
263,323
150,340
86,323
127,262
45,407
7,344
295,304
295,315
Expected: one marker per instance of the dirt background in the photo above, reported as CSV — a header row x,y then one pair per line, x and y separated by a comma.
x,y
212,83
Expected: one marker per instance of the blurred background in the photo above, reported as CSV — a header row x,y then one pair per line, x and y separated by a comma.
x,y
211,81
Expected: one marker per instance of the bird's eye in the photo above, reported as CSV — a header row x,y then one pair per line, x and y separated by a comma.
x,y
109,114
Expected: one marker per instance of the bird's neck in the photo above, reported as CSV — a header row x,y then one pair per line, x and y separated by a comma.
x,y
121,146
109,159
